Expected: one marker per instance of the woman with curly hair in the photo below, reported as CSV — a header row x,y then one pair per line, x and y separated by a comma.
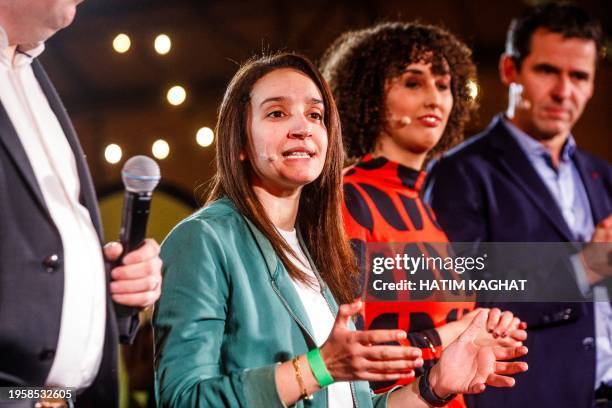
x,y
402,94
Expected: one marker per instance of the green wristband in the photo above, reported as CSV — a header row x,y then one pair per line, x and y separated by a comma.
x,y
317,365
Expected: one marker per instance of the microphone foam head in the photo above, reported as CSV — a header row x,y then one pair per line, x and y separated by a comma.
x,y
140,174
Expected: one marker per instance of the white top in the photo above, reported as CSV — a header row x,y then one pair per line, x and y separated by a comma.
x,y
83,320
320,316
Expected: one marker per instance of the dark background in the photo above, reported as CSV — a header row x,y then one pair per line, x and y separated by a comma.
x,y
120,98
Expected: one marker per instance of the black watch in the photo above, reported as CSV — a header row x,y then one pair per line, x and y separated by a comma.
x,y
428,394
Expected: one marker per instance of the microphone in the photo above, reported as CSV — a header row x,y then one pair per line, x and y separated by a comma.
x,y
405,120
271,157
517,97
140,176
402,120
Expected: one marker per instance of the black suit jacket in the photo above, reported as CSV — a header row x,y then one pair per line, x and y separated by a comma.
x,y
31,283
486,190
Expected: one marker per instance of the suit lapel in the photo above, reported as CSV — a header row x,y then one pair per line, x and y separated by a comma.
x,y
591,180
88,194
12,143
520,169
281,282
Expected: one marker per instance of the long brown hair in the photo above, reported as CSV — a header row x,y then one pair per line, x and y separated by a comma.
x,y
319,216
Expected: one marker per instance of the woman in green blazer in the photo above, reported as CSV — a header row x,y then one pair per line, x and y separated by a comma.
x,y
248,315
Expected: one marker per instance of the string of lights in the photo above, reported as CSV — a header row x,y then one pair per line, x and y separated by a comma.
x,y
175,96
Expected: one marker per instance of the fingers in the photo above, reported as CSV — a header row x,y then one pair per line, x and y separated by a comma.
x,y
390,366
149,250
137,282
475,328
137,271
112,251
514,367
496,380
346,311
145,284
370,376
494,315
392,353
506,342
140,300
606,222
500,324
369,337
519,335
477,388
504,324
508,353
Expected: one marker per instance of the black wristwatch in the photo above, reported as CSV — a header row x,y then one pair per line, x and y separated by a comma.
x,y
428,394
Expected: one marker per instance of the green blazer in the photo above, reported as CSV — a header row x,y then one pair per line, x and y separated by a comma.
x,y
227,315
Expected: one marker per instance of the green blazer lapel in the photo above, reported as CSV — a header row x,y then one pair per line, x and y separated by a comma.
x,y
282,284
331,301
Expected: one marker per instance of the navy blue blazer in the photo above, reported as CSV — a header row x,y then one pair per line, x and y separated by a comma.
x,y
486,190
32,279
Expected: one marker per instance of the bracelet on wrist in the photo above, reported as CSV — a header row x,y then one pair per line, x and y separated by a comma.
x,y
431,346
319,370
297,367
428,394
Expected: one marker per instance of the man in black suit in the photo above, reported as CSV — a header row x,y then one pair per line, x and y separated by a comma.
x,y
524,180
58,324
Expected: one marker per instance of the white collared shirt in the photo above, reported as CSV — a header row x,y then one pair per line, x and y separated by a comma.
x,y
83,320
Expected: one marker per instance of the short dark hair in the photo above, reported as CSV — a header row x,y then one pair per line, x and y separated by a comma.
x,y
359,62
567,19
319,215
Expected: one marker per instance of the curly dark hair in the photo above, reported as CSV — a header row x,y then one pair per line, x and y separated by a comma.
x,y
358,63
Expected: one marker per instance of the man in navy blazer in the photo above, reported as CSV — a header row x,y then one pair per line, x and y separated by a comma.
x,y
524,180
58,319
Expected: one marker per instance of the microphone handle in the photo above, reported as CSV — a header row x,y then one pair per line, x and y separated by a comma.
x,y
133,232
134,221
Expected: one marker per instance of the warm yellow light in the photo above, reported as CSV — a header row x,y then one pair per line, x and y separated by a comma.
x,y
205,136
160,149
122,43
113,153
176,95
473,89
162,44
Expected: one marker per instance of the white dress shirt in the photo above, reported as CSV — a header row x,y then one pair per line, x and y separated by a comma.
x,y
83,320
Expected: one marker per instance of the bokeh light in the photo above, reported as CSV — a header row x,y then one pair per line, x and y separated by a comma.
x,y
205,136
113,153
160,149
122,43
162,44
176,95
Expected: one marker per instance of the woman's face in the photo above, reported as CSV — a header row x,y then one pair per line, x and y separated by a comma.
x,y
287,135
417,104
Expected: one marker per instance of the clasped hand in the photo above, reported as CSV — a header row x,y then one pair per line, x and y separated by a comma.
x,y
467,365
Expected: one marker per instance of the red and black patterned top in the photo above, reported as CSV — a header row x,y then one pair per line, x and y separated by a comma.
x,y
382,204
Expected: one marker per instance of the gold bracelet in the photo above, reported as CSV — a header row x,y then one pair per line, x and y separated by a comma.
x,y
298,375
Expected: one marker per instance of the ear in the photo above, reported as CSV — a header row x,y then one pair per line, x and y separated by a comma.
x,y
242,155
508,72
